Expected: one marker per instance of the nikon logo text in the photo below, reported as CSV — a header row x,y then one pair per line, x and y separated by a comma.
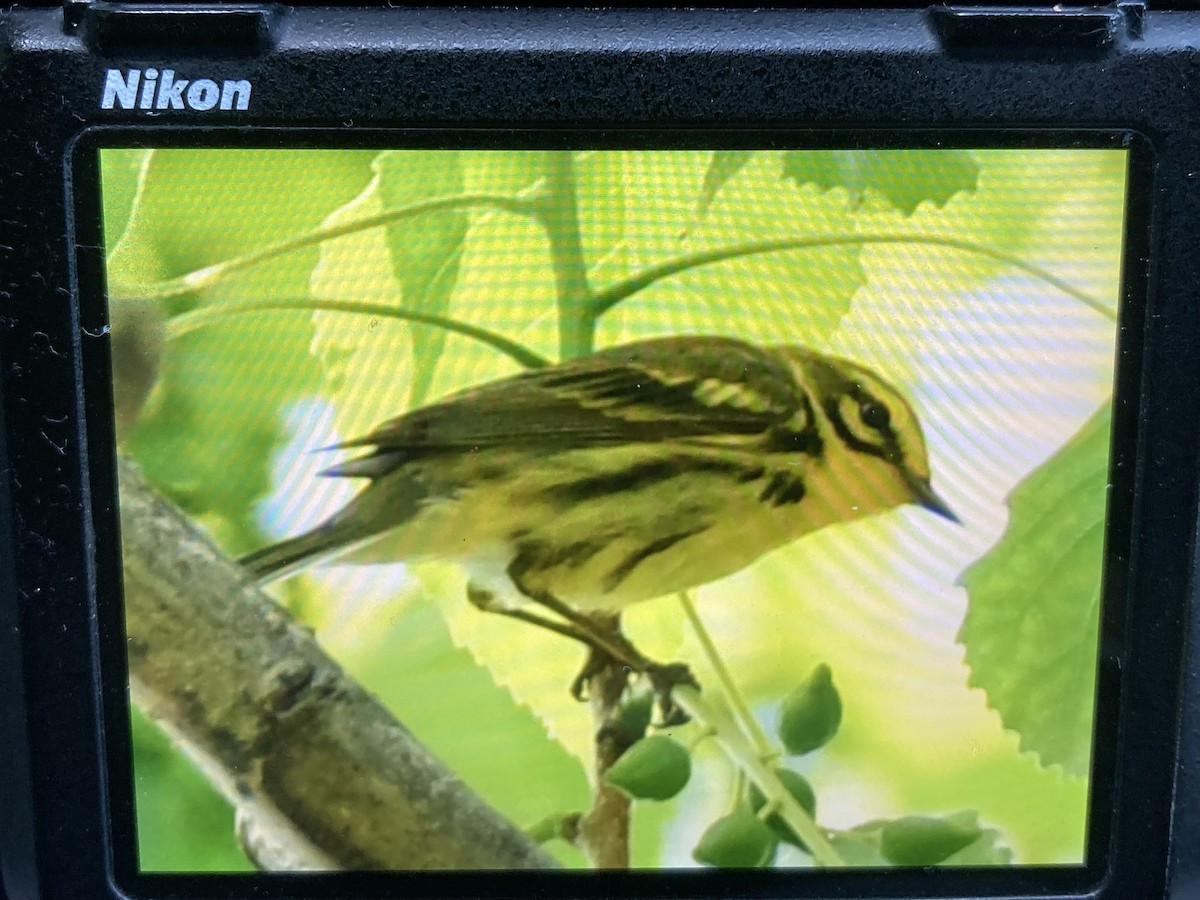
x,y
148,90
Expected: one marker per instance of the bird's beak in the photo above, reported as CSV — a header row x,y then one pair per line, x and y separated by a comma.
x,y
924,495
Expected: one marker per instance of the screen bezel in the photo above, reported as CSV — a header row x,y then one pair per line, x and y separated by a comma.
x,y
103,513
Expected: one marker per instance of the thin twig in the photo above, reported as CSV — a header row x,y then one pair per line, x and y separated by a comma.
x,y
202,278
206,316
558,209
610,296
733,693
744,755
604,829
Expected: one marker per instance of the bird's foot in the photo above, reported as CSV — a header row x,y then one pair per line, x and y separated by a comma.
x,y
598,662
662,677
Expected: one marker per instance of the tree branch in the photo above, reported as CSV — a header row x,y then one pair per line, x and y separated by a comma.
x,y
321,774
604,829
559,210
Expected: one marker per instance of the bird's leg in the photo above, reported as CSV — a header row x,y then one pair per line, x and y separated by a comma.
x,y
663,677
604,648
611,645
607,646
485,600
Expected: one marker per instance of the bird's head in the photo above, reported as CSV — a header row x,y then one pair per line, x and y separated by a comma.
x,y
874,450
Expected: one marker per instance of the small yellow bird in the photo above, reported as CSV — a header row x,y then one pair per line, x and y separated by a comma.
x,y
634,472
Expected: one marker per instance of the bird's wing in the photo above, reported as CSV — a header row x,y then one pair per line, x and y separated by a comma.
x,y
693,388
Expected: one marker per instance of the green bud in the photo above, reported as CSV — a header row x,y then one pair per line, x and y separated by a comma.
x,y
796,785
811,714
739,840
633,718
654,768
926,841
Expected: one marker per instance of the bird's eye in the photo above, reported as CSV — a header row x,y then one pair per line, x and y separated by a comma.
x,y
874,415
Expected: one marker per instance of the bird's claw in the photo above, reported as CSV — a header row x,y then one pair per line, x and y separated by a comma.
x,y
597,661
663,678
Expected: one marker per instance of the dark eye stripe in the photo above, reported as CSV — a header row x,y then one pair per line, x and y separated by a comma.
x,y
889,450
875,415
885,429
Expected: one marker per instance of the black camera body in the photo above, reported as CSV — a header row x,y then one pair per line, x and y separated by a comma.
x,y
130,133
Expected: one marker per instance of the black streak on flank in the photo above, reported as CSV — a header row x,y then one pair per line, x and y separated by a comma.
x,y
647,474
783,440
542,555
782,489
634,478
539,556
806,440
623,570
751,474
572,555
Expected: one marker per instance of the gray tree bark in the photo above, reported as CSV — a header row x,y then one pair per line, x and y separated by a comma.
x,y
322,776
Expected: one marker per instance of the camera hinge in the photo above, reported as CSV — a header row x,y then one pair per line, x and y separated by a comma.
x,y
1057,31
217,28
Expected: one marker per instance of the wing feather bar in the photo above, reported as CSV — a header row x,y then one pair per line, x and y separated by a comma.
x,y
667,389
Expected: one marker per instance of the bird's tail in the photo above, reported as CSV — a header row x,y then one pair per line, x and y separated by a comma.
x,y
385,504
280,560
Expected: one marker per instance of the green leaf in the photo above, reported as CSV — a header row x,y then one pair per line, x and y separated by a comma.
x,y
206,432
955,840
902,178
725,164
121,176
475,727
199,207
425,254
983,851
183,824
926,840
655,768
802,294
859,846
206,439
739,840
1032,620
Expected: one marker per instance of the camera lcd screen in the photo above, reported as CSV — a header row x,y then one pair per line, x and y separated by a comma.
x,y
829,429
